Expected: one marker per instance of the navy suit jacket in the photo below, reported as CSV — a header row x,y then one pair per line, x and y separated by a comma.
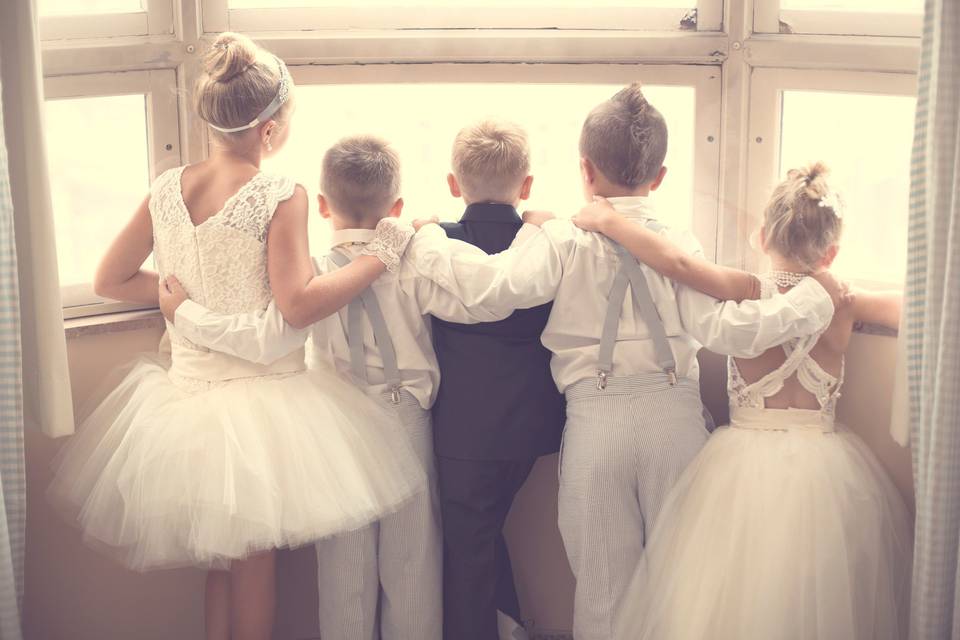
x,y
497,399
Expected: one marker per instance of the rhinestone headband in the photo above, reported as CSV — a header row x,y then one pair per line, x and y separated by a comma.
x,y
283,92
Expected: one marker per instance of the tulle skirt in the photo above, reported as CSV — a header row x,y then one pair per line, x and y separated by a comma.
x,y
786,534
164,475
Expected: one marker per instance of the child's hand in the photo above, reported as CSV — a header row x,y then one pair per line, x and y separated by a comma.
x,y
172,295
839,291
595,216
537,218
421,222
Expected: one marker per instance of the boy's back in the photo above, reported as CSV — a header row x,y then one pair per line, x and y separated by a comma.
x,y
497,399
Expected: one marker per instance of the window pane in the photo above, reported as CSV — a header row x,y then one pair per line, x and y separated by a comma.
x,y
870,169
627,4
421,121
97,150
86,7
879,6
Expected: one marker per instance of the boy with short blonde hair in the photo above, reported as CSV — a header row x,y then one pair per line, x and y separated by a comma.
x,y
497,410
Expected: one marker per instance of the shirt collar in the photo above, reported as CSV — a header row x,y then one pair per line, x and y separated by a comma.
x,y
640,207
490,212
350,236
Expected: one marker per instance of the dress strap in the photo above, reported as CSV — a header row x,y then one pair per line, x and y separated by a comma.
x,y
367,302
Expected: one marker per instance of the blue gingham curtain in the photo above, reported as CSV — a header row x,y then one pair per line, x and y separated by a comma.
x,y
12,481
932,327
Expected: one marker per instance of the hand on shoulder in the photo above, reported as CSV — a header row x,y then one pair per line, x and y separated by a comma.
x,y
537,218
838,290
596,216
422,222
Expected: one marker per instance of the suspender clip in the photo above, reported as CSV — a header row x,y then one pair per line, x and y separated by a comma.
x,y
395,394
602,379
671,376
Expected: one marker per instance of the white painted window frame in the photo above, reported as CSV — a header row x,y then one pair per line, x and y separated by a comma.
x,y
768,15
155,19
163,148
739,54
218,16
766,112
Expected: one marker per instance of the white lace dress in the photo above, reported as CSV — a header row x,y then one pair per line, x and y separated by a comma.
x,y
202,458
784,527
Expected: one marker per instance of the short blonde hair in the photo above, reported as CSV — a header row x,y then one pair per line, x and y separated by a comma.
x,y
625,138
801,220
239,80
361,177
491,159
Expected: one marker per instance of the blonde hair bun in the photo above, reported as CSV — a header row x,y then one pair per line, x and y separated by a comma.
x,y
801,220
231,55
240,79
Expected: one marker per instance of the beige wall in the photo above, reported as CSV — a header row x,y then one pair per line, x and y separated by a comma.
x,y
73,593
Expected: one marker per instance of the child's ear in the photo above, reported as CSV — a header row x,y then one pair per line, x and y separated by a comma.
x,y
525,188
830,256
396,209
588,171
324,207
454,186
660,176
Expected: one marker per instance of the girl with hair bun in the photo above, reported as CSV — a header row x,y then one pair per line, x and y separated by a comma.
x,y
785,525
203,459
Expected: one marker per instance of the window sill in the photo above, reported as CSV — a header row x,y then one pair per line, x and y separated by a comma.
x,y
113,323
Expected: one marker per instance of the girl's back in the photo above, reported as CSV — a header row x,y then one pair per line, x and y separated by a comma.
x,y
210,229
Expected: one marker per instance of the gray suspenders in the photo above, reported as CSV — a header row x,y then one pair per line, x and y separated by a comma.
x,y
631,274
367,301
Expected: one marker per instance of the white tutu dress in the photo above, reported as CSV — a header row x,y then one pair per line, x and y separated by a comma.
x,y
785,527
202,458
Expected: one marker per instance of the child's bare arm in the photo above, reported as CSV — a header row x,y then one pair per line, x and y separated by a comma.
x,y
655,250
119,275
302,297
878,307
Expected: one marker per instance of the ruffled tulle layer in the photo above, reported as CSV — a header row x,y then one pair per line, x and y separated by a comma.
x,y
166,477
776,534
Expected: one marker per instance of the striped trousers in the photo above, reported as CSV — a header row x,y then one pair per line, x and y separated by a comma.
x,y
623,449
385,581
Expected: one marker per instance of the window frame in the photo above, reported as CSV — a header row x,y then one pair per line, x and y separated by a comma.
x,y
768,15
737,51
154,19
162,129
766,106
218,16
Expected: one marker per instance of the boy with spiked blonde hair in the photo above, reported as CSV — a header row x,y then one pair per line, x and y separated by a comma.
x,y
624,341
384,581
497,410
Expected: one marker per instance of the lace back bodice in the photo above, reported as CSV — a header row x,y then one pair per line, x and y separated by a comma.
x,y
824,386
221,262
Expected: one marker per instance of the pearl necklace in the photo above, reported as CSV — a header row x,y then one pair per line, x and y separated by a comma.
x,y
786,278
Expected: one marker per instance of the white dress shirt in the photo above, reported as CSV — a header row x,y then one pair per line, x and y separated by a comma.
x,y
406,298
576,270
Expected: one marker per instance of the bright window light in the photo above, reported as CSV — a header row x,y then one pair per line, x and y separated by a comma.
x,y
262,4
870,162
421,120
97,152
873,6
88,7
